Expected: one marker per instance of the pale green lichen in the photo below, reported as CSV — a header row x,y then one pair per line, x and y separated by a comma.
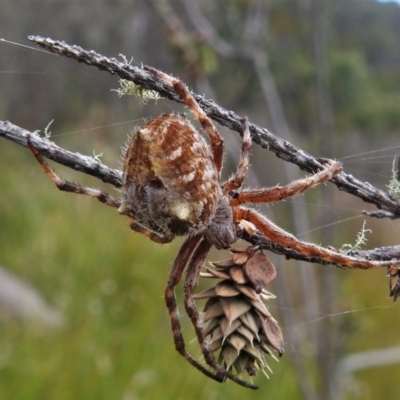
x,y
123,56
128,88
46,132
360,241
394,184
97,157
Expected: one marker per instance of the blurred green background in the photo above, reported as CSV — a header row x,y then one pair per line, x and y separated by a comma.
x,y
324,74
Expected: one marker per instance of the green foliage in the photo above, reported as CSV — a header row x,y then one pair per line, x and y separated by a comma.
x,y
358,100
349,79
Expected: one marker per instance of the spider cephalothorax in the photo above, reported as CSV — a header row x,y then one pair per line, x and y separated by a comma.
x,y
171,187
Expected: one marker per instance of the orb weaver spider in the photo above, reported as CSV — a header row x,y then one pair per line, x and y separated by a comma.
x,y
171,187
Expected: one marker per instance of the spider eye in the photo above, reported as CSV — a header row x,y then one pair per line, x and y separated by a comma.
x,y
156,183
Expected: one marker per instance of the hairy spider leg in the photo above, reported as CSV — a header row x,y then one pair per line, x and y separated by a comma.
x,y
191,279
72,187
276,193
285,239
103,197
236,180
154,236
217,144
174,277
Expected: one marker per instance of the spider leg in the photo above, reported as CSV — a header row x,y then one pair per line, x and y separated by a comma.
x,y
72,187
192,276
155,237
285,239
95,193
175,276
277,193
217,144
235,182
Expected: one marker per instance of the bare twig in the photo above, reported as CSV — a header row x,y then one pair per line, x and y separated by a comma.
x,y
388,253
381,214
76,161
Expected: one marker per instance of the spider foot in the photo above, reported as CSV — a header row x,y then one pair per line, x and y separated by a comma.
x,y
239,326
221,375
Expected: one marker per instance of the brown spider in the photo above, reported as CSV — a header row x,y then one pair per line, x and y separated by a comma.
x,y
171,187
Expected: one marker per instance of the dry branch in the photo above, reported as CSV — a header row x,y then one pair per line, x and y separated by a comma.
x,y
49,149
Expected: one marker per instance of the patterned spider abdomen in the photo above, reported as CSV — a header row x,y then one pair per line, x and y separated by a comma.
x,y
170,183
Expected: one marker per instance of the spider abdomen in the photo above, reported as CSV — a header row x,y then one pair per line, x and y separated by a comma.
x,y
170,183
